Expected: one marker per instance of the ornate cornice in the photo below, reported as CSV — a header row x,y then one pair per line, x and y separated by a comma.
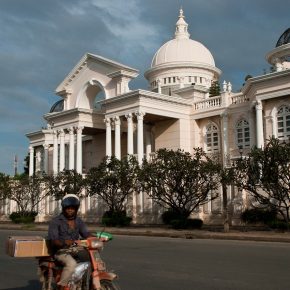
x,y
147,94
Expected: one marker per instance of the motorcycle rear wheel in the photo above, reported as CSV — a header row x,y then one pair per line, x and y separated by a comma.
x,y
109,285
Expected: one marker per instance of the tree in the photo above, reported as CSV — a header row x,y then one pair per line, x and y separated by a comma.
x,y
65,182
26,164
214,89
4,186
26,191
114,181
179,181
227,177
265,174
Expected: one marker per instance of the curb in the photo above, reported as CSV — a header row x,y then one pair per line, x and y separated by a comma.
x,y
259,236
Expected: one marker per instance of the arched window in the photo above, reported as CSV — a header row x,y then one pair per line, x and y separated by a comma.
x,y
243,134
283,122
99,97
212,138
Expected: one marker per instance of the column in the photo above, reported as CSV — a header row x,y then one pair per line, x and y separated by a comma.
x,y
71,163
209,203
31,160
140,149
140,142
45,160
46,209
278,64
38,160
148,142
252,128
274,126
259,124
108,137
61,150
55,153
158,86
117,137
181,82
130,145
225,137
79,150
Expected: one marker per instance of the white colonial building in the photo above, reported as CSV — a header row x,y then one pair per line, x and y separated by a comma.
x,y
99,115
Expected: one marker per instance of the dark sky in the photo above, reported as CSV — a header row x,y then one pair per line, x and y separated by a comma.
x,y
42,40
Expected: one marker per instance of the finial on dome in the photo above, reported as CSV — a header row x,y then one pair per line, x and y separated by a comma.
x,y
181,12
181,26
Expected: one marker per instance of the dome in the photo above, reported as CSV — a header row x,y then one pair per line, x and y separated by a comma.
x,y
57,107
284,38
182,50
181,62
279,57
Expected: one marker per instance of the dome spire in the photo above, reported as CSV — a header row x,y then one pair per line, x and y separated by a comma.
x,y
181,26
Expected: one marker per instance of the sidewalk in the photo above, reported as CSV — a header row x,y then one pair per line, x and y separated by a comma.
x,y
267,236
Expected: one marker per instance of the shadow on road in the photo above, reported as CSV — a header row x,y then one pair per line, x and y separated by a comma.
x,y
32,285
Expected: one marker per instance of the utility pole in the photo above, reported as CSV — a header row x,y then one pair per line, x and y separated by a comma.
x,y
15,165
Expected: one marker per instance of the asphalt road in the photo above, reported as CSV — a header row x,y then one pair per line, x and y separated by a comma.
x,y
144,263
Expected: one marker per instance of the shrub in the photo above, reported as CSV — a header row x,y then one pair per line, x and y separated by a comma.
x,y
178,224
279,225
170,215
25,217
257,215
184,223
114,219
194,223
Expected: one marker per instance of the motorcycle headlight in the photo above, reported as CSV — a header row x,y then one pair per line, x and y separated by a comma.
x,y
95,244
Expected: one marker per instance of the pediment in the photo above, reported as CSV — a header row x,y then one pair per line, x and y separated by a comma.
x,y
98,63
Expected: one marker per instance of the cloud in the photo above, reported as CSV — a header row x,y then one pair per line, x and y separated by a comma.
x,y
41,41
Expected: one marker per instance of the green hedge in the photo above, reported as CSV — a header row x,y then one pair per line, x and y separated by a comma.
x,y
25,217
279,225
170,215
180,221
113,219
187,223
257,215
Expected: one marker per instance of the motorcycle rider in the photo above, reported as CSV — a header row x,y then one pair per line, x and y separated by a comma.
x,y
63,230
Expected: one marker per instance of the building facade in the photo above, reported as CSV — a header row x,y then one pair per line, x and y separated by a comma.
x,y
99,115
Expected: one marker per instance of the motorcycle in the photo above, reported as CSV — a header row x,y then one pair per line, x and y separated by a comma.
x,y
88,275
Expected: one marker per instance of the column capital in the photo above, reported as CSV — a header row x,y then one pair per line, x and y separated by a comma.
x,y
31,148
117,120
107,121
224,115
79,129
140,115
45,146
71,130
129,117
55,132
259,105
61,132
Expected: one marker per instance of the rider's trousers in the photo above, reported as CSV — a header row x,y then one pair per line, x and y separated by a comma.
x,y
69,266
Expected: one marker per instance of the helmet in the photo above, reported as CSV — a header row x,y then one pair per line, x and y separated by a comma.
x,y
70,200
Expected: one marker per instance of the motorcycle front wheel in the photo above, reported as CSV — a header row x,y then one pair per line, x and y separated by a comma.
x,y
47,283
109,285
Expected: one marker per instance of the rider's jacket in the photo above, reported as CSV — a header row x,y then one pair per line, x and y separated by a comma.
x,y
59,230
